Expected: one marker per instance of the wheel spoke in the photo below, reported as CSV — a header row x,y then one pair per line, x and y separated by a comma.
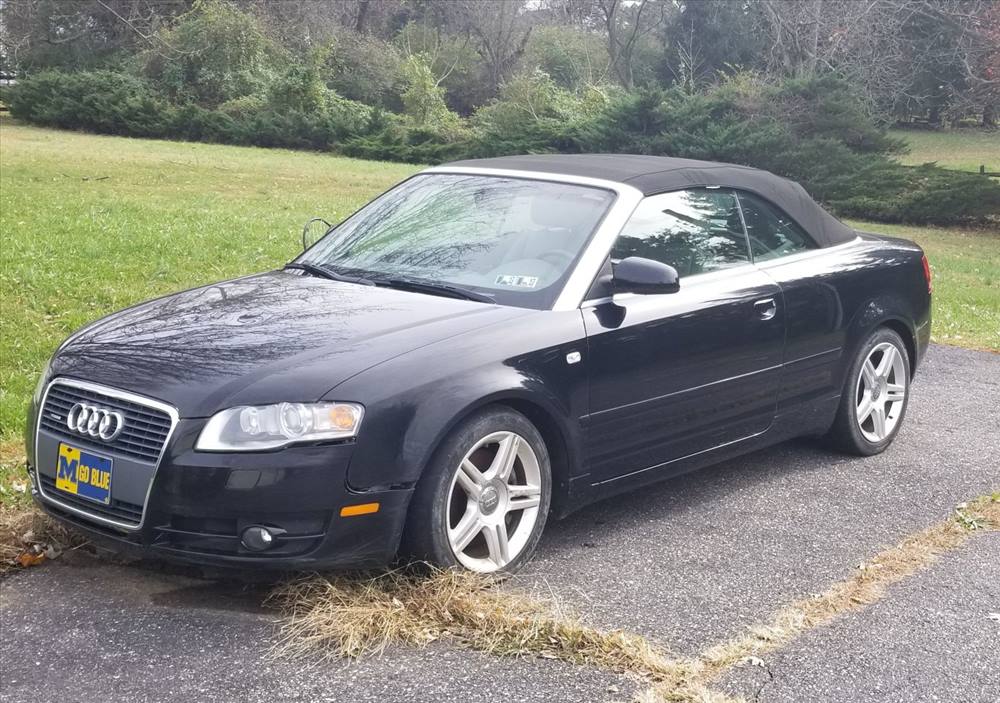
x,y
865,408
886,364
523,497
503,462
524,503
471,479
496,542
895,392
878,418
869,374
466,529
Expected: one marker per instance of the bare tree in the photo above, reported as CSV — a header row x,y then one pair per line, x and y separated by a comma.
x,y
626,24
69,32
500,30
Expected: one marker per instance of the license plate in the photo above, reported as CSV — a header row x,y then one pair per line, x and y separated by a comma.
x,y
84,474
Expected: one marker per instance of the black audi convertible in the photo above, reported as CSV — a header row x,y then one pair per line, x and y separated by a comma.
x,y
488,343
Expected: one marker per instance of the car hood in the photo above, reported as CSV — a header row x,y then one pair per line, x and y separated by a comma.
x,y
261,339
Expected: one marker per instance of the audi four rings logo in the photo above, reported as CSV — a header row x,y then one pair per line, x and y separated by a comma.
x,y
94,421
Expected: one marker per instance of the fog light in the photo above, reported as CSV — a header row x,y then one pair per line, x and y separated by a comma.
x,y
258,538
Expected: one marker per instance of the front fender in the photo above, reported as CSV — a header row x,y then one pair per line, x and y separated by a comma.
x,y
414,401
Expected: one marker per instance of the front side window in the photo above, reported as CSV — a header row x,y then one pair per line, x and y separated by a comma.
x,y
695,231
772,233
514,240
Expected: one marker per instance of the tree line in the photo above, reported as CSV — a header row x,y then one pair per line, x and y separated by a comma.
x,y
801,87
909,60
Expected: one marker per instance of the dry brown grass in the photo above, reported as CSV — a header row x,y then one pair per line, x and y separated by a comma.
x,y
357,616
869,584
344,616
12,451
27,534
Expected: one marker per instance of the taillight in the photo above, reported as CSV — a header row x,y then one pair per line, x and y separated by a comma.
x,y
927,273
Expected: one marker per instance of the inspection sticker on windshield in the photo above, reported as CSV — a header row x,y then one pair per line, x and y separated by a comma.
x,y
517,281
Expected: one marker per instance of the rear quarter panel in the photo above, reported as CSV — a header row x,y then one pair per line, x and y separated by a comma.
x,y
834,299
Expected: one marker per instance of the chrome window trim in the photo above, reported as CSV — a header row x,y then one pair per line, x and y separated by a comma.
x,y
803,255
709,276
170,410
596,251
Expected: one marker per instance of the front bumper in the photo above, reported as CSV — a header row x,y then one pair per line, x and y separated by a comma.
x,y
199,503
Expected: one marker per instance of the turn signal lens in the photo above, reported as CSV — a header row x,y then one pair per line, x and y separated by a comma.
x,y
927,272
362,509
343,417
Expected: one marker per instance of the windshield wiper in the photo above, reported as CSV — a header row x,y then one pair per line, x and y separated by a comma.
x,y
433,288
323,272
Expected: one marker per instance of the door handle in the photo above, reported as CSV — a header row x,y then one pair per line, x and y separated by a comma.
x,y
765,309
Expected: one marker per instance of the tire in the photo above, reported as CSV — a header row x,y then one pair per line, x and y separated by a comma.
x,y
879,394
499,521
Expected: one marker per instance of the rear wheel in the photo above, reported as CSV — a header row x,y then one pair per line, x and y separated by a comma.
x,y
875,396
483,500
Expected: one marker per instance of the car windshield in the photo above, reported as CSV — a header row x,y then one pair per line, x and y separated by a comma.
x,y
513,240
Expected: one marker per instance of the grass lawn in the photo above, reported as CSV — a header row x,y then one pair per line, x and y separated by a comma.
x,y
962,149
91,224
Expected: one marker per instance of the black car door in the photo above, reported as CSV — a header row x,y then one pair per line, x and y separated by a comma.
x,y
677,374
811,281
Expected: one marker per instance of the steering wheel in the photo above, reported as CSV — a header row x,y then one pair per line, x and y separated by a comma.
x,y
557,257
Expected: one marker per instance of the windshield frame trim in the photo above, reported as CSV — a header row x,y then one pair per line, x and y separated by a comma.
x,y
596,251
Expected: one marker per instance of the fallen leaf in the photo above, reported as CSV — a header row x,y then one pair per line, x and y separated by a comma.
x,y
27,559
995,617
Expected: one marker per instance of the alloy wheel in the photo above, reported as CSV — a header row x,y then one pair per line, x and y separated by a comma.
x,y
493,502
881,390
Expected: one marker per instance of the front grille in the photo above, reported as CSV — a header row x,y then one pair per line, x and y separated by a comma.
x,y
118,510
146,428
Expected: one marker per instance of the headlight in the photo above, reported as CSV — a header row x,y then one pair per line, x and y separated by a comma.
x,y
250,428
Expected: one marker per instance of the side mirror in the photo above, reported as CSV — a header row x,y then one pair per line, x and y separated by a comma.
x,y
644,276
311,233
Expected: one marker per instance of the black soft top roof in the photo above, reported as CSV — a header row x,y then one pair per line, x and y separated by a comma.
x,y
658,174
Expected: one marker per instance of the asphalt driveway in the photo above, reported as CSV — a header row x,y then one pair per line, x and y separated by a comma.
x,y
688,563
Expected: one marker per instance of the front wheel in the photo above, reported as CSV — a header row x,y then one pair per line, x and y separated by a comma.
x,y
484,498
875,396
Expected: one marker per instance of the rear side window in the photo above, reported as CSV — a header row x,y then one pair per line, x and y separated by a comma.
x,y
772,233
695,231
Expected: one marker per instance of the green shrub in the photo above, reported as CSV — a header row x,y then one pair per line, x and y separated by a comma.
x,y
99,101
889,192
298,88
364,68
798,130
423,99
533,114
244,106
574,58
214,53
453,61
393,138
